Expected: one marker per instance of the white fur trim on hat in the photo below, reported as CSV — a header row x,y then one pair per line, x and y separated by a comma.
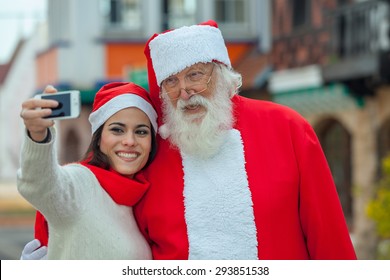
x,y
100,116
173,51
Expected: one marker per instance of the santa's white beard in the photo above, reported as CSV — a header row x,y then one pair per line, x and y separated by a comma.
x,y
201,134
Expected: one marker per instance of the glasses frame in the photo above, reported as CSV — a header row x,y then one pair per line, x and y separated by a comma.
x,y
186,90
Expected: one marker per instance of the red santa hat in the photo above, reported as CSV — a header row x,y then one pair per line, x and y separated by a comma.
x,y
114,97
172,51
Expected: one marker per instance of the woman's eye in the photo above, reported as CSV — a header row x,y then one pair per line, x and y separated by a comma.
x,y
116,129
142,132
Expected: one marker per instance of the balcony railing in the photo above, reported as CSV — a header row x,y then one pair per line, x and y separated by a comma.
x,y
360,29
360,46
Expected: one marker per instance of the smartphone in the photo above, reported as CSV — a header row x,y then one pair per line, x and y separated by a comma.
x,y
69,104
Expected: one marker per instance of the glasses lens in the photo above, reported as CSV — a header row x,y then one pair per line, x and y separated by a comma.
x,y
195,83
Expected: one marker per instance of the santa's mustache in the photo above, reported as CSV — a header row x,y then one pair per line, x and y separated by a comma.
x,y
194,101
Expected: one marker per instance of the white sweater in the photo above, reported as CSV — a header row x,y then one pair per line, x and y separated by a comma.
x,y
84,221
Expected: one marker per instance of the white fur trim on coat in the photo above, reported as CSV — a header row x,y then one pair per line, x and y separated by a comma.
x,y
218,204
120,102
173,51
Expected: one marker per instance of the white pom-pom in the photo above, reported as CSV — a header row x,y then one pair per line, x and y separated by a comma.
x,y
164,131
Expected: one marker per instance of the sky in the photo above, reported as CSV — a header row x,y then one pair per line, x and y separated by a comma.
x,y
18,19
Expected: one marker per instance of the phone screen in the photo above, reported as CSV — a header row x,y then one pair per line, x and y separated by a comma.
x,y
63,109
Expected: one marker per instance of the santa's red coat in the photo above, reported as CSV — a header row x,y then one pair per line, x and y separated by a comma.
x,y
296,212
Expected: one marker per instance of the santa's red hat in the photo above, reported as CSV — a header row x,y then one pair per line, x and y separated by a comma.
x,y
172,51
113,97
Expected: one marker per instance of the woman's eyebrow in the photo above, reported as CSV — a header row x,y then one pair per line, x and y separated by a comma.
x,y
117,123
143,125
123,125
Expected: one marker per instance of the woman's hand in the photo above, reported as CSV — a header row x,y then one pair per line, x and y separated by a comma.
x,y
33,113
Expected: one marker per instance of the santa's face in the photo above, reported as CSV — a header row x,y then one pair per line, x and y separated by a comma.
x,y
183,86
197,123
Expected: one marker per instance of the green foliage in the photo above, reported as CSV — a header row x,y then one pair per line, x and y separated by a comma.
x,y
379,208
384,250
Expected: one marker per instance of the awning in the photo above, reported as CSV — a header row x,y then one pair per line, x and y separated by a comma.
x,y
324,99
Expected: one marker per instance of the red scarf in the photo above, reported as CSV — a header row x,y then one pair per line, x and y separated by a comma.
x,y
123,190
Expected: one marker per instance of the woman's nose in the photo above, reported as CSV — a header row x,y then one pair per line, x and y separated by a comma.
x,y
129,140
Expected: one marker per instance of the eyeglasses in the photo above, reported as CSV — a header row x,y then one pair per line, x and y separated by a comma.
x,y
196,80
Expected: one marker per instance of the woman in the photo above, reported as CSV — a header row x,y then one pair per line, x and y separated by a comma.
x,y
88,204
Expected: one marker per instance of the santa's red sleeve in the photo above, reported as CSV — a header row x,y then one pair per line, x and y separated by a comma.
x,y
41,229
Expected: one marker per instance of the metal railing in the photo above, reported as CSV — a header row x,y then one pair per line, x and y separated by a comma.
x,y
359,29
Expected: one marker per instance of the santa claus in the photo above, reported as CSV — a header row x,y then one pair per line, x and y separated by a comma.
x,y
233,178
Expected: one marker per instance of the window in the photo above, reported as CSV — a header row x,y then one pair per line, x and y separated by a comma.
x,y
122,14
179,13
301,11
230,11
342,2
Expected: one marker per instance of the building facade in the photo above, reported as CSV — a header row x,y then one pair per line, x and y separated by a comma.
x,y
330,63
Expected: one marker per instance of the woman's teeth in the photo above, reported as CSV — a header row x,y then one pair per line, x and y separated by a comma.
x,y
127,155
